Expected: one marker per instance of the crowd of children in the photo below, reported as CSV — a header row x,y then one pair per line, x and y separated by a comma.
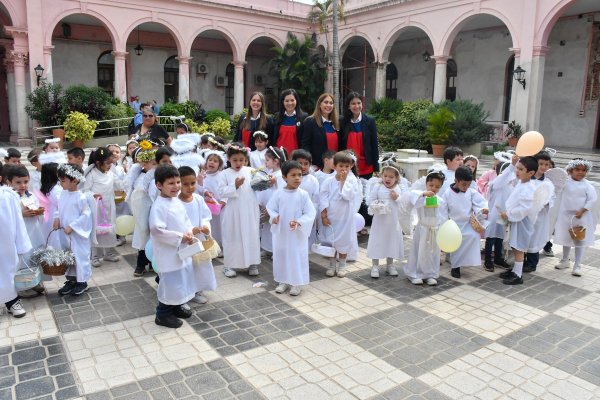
x,y
200,188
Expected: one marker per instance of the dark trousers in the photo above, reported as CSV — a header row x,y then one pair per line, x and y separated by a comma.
x,y
10,303
142,260
163,310
548,246
532,259
496,244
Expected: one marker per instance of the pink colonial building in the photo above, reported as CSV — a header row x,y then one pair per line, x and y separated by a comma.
x,y
215,52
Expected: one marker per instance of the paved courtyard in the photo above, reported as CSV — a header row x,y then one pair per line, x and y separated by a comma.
x,y
350,338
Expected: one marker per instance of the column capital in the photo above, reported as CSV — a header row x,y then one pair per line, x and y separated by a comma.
x,y
19,58
516,51
48,50
183,59
16,32
239,63
540,51
119,55
382,64
440,59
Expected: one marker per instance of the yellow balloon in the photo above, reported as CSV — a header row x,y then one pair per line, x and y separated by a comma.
x,y
124,225
529,144
449,237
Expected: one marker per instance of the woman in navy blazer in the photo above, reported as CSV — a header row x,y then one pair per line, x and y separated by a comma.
x,y
359,133
288,121
256,119
321,129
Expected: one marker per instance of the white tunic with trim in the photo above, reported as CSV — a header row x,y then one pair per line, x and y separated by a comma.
x,y
74,212
575,196
385,237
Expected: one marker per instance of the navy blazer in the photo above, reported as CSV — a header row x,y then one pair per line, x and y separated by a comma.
x,y
299,128
369,136
314,140
268,130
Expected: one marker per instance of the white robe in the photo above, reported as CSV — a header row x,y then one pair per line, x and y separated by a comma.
x,y
263,197
15,242
322,176
97,182
74,212
448,180
211,183
290,248
541,227
239,220
519,210
168,223
575,196
311,185
385,237
424,257
35,180
459,207
257,158
33,224
498,192
199,215
341,204
56,239
140,204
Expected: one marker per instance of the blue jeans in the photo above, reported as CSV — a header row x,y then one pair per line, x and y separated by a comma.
x,y
532,259
496,244
164,310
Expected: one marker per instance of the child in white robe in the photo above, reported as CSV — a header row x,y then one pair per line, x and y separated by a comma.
x,y
461,202
170,229
15,243
520,212
310,184
292,215
274,158
453,158
424,258
119,173
385,238
49,196
200,217
240,216
75,218
576,209
209,180
338,199
35,176
328,168
257,157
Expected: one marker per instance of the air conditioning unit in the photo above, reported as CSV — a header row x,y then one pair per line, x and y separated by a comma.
x,y
221,80
260,80
202,69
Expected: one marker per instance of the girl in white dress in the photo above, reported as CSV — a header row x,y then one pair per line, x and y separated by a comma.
x,y
257,157
50,194
385,237
274,158
209,180
128,161
240,216
292,215
578,202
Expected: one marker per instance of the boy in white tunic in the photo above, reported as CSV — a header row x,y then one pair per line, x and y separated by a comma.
x,y
310,184
170,227
520,213
292,215
453,158
461,201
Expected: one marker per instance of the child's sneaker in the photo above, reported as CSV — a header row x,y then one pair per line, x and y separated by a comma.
x,y
563,264
431,282
548,253
229,272
488,266
139,271
282,287
120,241
375,272
67,288
253,270
576,270
455,272
96,262
391,270
79,289
341,272
295,290
200,298
416,281
330,270
169,321
17,309
183,311
112,257
513,279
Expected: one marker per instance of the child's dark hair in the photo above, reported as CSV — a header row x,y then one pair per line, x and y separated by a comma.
x,y
439,175
451,152
237,148
353,162
530,163
472,158
543,155
463,174
301,154
164,172
328,154
62,173
501,167
163,151
277,153
204,139
552,164
218,158
186,171
33,155
12,153
100,156
287,166
49,177
15,171
76,152
342,157
183,126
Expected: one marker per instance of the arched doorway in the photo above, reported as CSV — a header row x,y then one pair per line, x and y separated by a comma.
x,y
357,72
106,72
171,79
258,54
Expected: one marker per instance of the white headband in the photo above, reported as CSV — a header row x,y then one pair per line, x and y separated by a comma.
x,y
220,154
578,162
3,153
275,152
57,157
551,152
52,140
71,172
260,133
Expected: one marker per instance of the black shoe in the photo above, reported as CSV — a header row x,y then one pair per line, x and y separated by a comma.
x,y
529,268
170,321
506,274
488,266
157,279
139,271
455,272
79,289
502,263
513,280
67,288
181,312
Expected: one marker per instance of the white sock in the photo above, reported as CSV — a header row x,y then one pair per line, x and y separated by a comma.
x,y
578,254
343,264
332,262
566,251
389,261
375,262
517,268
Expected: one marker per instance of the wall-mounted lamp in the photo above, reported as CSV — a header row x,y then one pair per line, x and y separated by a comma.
x,y
39,71
138,49
66,28
426,56
519,75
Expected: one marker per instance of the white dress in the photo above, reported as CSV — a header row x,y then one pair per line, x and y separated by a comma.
x,y
311,185
15,242
519,209
322,176
257,158
424,257
140,204
290,247
33,224
341,204
168,223
448,180
35,180
97,182
211,183
459,208
74,212
541,227
385,236
263,197
575,196
51,211
199,215
239,220
498,192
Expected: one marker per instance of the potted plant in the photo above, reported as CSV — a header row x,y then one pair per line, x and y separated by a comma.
x,y
513,133
79,128
46,107
439,129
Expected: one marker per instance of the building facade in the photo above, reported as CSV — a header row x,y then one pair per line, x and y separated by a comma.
x,y
217,53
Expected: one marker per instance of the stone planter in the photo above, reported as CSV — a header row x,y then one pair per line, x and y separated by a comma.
x,y
78,143
474,150
437,150
512,141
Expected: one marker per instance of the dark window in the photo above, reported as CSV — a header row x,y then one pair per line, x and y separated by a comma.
x,y
508,82
106,72
451,74
171,79
229,73
391,81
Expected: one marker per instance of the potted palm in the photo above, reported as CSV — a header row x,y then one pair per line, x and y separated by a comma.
x,y
79,128
513,133
439,129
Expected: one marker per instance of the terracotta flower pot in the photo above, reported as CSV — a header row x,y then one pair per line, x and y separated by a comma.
x,y
59,133
78,143
438,149
512,141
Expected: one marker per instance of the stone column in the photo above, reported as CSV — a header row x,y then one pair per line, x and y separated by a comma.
x,y
536,83
329,80
20,60
440,80
120,75
12,101
184,79
380,81
238,86
48,63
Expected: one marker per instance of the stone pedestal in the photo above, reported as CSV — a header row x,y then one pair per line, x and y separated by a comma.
x,y
415,167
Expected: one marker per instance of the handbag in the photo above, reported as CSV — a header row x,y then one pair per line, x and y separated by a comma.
x,y
211,250
103,227
321,249
185,251
577,232
27,277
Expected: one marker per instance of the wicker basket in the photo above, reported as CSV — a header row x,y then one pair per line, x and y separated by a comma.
x,y
479,228
211,250
54,270
577,232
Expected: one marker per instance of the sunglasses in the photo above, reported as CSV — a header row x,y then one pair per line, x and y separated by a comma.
x,y
147,116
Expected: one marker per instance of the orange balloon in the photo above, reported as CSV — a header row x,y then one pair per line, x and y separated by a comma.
x,y
529,143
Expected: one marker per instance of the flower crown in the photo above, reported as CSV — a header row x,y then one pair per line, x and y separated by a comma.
x,y
262,134
71,172
244,150
579,162
146,155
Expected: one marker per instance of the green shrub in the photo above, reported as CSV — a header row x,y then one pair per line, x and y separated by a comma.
x,y
45,104
117,111
92,101
469,126
78,126
403,125
385,108
212,115
440,125
170,109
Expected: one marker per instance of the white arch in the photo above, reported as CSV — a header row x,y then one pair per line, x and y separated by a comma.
x,y
398,31
227,35
170,27
547,24
112,32
268,35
